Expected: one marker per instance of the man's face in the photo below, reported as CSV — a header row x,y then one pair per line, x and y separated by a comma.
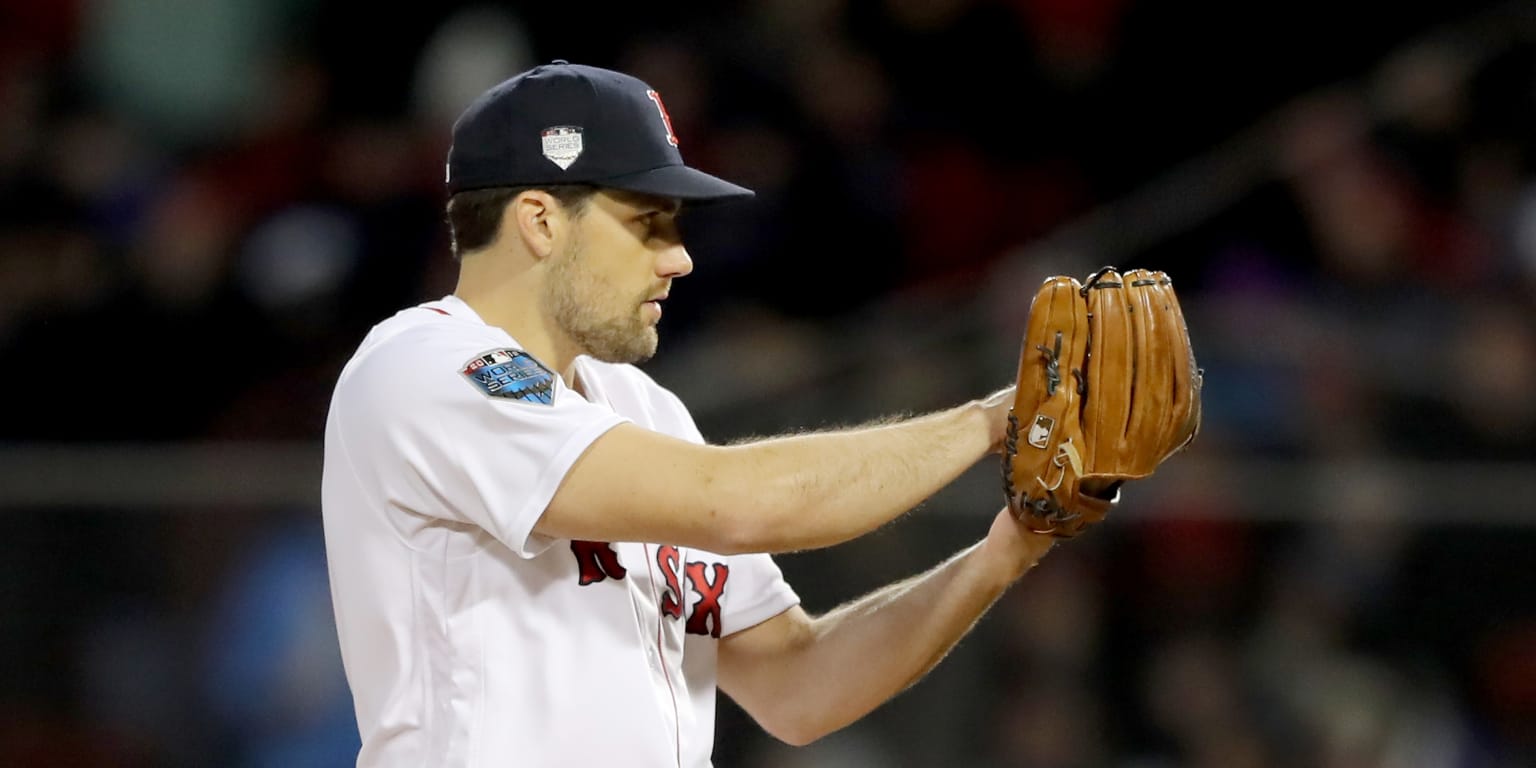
x,y
606,283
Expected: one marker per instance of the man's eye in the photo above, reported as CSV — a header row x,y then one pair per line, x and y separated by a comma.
x,y
654,222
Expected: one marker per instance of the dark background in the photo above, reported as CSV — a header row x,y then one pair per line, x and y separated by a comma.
x,y
205,205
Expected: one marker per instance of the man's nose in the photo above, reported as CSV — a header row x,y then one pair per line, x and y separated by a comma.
x,y
674,262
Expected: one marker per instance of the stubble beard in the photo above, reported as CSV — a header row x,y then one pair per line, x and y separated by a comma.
x,y
603,324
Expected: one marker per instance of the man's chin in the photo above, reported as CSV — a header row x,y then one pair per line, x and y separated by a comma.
x,y
641,350
649,350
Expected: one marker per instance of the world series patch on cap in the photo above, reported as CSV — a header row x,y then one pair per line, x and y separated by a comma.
x,y
512,374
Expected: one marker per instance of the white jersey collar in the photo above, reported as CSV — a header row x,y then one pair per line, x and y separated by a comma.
x,y
456,307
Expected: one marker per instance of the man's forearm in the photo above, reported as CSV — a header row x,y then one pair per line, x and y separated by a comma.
x,y
858,656
818,489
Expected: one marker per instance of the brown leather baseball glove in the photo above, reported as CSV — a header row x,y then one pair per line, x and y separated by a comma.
x,y
1107,390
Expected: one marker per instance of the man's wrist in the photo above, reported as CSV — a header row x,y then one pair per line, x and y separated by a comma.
x,y
1008,562
992,412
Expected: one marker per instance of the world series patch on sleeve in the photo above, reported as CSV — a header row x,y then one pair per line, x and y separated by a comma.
x,y
512,374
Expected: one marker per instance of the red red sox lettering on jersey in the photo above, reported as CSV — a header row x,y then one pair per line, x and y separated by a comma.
x,y
597,561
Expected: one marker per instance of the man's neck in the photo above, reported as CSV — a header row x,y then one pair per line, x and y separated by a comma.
x,y
517,312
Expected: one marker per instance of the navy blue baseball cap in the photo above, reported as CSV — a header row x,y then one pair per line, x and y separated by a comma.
x,y
563,123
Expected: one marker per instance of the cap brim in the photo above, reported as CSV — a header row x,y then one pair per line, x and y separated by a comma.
x,y
679,181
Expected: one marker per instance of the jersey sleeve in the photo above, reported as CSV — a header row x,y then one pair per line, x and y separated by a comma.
x,y
758,592
469,431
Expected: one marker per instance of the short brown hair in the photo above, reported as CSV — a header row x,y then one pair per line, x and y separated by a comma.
x,y
474,216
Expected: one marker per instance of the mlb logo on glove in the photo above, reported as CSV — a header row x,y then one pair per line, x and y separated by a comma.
x,y
1040,433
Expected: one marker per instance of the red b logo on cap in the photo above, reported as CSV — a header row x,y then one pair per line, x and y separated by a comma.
x,y
666,119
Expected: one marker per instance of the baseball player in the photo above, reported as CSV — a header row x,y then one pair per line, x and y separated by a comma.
x,y
535,559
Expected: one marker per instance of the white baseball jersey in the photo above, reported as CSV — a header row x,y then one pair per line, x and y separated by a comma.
x,y
468,639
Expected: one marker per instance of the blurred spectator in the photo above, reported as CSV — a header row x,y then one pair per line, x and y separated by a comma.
x,y
195,91
274,681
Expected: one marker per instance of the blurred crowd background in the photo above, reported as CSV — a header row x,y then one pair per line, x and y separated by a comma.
x,y
204,205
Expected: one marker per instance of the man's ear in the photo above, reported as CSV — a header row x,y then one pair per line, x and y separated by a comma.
x,y
537,219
